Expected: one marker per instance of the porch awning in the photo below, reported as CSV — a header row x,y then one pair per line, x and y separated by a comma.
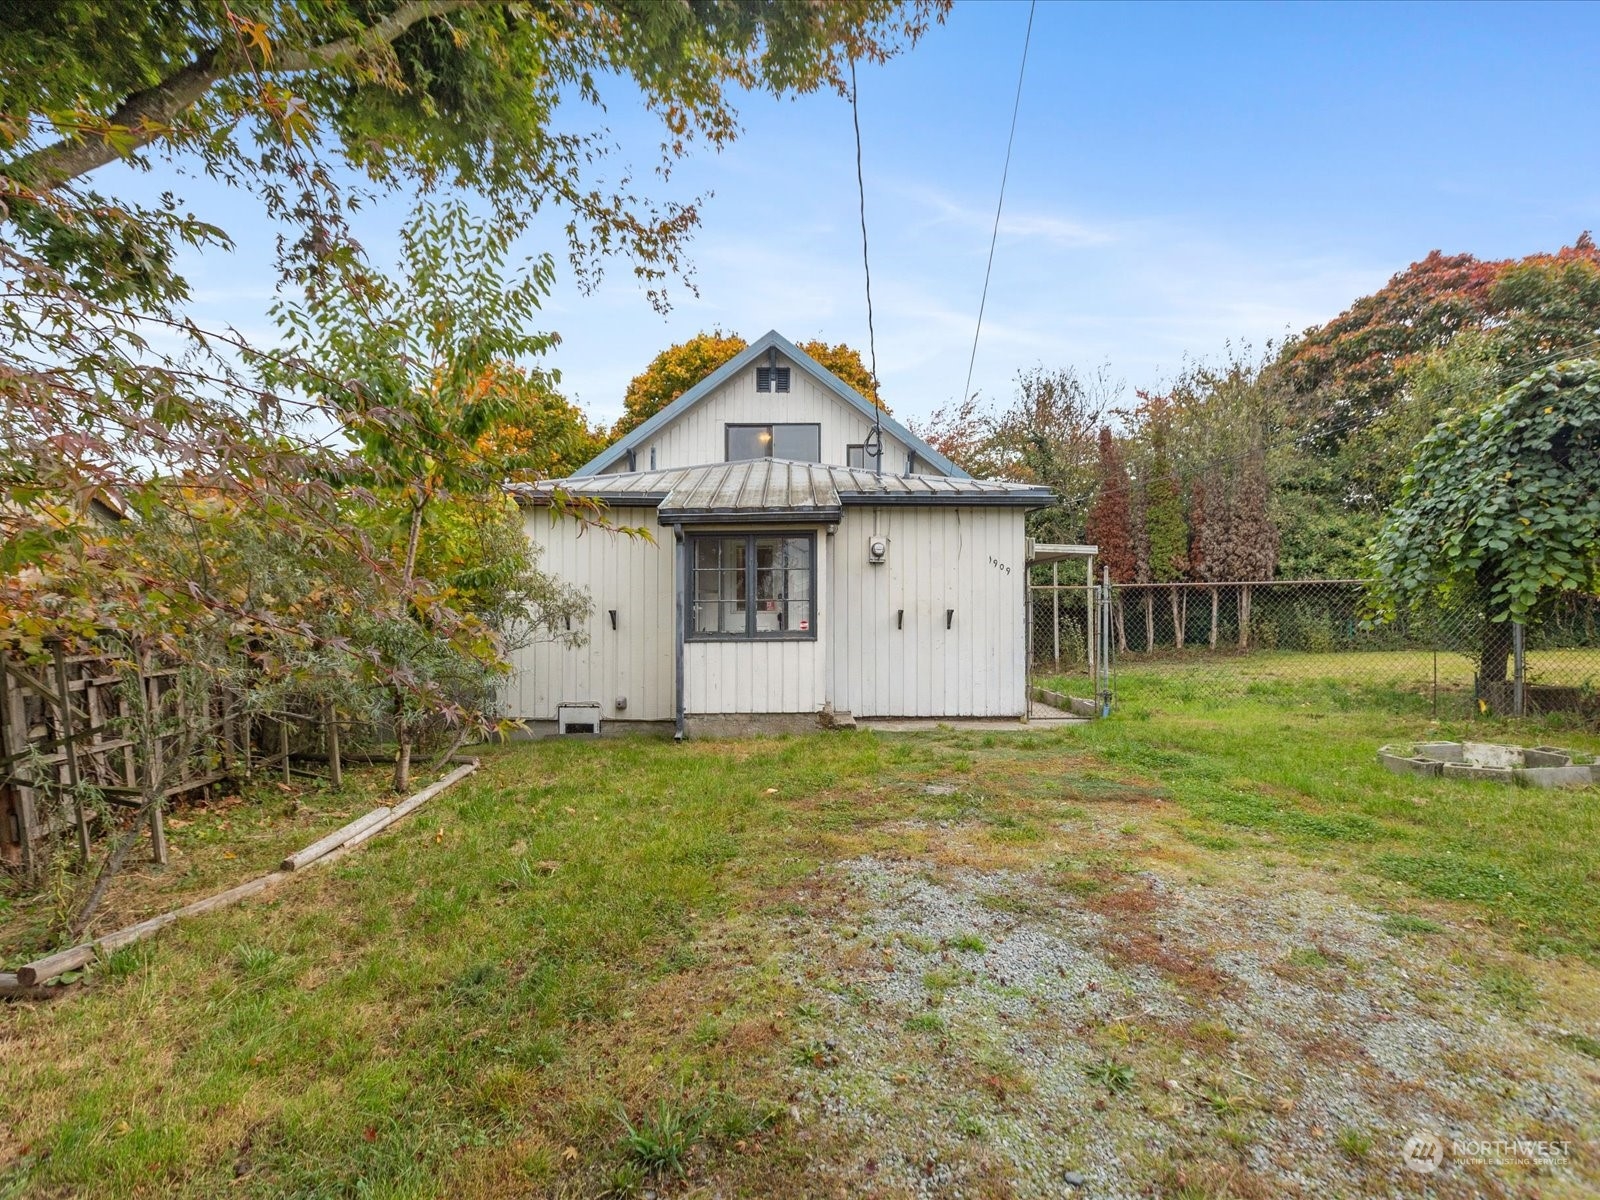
x,y
762,489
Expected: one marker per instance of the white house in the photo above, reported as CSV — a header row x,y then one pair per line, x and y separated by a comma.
x,y
790,578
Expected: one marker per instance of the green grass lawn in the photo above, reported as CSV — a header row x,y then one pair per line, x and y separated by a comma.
x,y
1295,758
557,977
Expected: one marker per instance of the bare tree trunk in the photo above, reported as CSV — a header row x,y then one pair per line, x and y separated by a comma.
x,y
402,735
1180,613
402,728
1244,616
1493,652
1122,626
1213,618
1149,622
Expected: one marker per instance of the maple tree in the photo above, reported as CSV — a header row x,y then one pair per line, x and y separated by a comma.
x,y
113,387
1349,372
672,373
684,364
845,362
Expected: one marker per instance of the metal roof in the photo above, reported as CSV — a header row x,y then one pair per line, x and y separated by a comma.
x,y
771,340
776,489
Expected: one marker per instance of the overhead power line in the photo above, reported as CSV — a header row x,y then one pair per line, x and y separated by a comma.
x,y
1005,173
866,267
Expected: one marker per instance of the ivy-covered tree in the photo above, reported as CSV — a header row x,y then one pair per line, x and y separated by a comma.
x,y
1501,510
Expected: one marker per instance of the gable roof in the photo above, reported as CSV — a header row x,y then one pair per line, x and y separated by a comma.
x,y
771,340
773,489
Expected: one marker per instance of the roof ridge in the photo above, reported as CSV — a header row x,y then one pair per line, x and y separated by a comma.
x,y
770,340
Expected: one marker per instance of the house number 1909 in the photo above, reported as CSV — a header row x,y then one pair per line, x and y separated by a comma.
x,y
998,565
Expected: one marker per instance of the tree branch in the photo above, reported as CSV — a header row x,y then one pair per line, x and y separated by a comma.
x,y
379,34
144,114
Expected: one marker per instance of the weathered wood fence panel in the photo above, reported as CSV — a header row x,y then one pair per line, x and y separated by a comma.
x,y
83,734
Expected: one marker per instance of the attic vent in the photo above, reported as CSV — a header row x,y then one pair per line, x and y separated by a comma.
x,y
772,379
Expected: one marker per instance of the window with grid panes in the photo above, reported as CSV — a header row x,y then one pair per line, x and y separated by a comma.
x,y
749,585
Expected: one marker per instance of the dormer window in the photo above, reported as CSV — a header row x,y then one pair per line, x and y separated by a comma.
x,y
772,379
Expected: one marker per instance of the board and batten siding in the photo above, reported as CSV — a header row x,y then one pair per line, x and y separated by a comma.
x,y
756,676
697,437
635,660
972,560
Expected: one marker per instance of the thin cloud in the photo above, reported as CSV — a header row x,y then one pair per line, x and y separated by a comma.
x,y
1050,228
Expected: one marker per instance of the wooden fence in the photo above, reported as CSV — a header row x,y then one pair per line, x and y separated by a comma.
x,y
85,734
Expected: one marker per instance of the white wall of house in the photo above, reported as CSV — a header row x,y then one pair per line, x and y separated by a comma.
x,y
635,660
697,437
972,560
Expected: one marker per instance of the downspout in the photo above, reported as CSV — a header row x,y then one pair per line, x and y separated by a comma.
x,y
827,645
679,606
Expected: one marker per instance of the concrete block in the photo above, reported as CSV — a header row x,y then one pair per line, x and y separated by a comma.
x,y
1491,754
1546,756
1440,751
1556,777
1483,774
1403,765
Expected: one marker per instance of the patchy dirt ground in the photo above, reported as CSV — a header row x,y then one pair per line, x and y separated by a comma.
x,y
1129,1023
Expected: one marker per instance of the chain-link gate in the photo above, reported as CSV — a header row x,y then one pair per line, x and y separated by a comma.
x,y
1070,641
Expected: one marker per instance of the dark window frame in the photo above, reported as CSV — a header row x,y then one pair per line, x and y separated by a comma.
x,y
866,459
751,633
770,426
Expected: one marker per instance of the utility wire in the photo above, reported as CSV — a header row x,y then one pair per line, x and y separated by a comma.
x,y
1005,173
866,267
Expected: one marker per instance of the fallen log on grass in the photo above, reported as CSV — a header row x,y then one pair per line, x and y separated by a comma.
x,y
43,970
81,956
334,840
12,988
405,809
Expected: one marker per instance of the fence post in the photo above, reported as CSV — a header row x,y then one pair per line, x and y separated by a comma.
x,y
1091,622
1055,609
69,747
1103,676
1519,671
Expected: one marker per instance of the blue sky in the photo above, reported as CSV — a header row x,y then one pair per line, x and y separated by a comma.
x,y
1184,175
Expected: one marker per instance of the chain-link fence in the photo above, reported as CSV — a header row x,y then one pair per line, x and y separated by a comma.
x,y
1288,640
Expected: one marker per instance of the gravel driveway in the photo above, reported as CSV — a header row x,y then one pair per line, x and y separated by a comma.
x,y
982,1022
